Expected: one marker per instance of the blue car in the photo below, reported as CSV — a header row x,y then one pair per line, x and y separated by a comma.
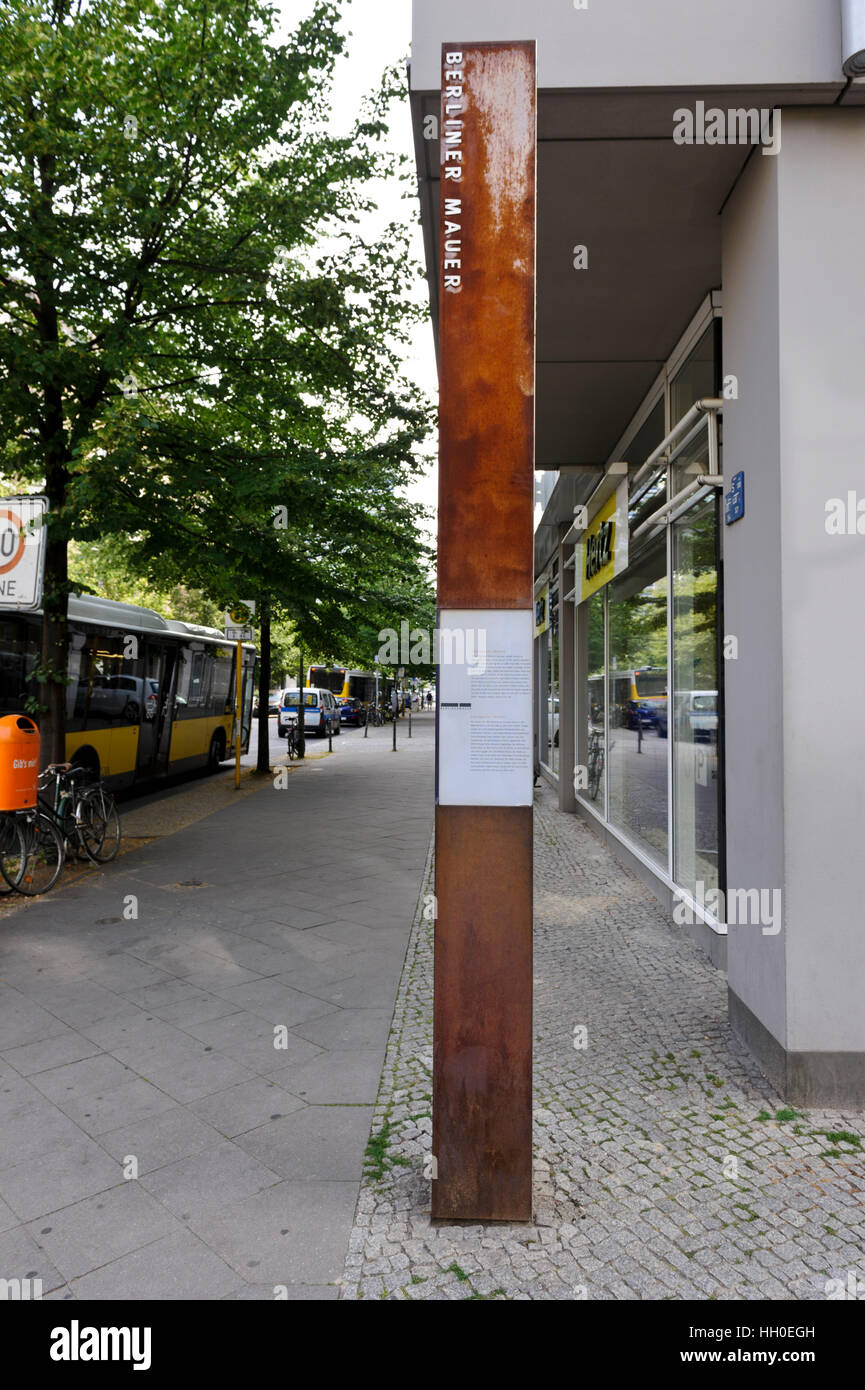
x,y
351,711
641,712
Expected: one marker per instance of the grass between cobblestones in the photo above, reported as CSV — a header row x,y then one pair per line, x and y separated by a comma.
x,y
665,1166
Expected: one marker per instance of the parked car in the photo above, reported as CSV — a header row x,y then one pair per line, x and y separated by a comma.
x,y
273,703
352,711
121,697
320,712
643,712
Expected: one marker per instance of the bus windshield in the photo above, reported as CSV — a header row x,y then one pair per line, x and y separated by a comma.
x,y
327,678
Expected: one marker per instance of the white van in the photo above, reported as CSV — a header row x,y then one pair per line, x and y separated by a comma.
x,y
320,712
701,712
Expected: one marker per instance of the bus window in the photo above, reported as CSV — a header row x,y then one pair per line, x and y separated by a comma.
x,y
107,685
18,651
222,672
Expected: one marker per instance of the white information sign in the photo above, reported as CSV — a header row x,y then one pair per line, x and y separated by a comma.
x,y
22,551
485,707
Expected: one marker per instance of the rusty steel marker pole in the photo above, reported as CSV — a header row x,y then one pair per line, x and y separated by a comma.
x,y
482,1069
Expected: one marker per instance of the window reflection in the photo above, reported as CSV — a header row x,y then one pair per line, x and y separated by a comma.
x,y
637,751
695,712
595,754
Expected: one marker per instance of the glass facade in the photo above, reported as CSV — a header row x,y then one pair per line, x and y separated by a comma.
x,y
649,705
595,704
695,697
637,683
547,654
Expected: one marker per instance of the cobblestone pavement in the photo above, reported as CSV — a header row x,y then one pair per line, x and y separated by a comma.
x,y
665,1164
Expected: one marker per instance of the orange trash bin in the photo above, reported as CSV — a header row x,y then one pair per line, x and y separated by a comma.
x,y
19,762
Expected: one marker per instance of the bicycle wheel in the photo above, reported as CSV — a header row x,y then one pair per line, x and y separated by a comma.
x,y
44,854
595,773
291,743
98,825
13,853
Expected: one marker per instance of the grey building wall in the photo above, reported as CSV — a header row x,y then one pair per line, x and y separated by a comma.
x,y
643,43
794,327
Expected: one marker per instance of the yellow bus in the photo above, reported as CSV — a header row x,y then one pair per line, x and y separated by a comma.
x,y
638,693
147,696
344,684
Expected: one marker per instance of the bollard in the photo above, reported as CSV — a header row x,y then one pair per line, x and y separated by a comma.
x,y
366,724
393,750
330,738
409,721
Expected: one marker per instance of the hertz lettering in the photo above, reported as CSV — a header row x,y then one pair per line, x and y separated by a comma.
x,y
599,549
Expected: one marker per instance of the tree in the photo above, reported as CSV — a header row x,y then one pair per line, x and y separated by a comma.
x,y
194,341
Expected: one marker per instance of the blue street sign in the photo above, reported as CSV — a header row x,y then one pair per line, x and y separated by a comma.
x,y
734,500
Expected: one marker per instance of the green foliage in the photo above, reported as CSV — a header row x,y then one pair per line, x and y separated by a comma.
x,y
199,353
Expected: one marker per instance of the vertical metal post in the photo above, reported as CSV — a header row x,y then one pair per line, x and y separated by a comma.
x,y
482,1067
238,712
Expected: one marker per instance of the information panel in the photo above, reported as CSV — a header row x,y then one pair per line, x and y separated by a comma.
x,y
485,708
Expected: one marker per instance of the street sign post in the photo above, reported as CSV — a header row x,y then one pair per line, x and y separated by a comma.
x,y
482,1067
22,551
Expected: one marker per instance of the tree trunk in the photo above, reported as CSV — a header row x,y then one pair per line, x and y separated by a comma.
x,y
55,632
263,763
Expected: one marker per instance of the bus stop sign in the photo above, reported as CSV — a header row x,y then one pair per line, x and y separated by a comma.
x,y
22,551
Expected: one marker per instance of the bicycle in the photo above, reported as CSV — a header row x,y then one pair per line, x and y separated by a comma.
x,y
86,819
596,764
13,852
292,741
44,853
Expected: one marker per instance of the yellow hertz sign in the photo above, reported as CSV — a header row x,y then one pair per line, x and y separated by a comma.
x,y
542,610
604,550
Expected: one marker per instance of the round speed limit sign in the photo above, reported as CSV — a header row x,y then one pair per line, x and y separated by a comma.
x,y
22,549
11,539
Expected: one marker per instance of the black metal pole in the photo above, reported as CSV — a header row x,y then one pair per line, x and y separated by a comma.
x,y
263,759
301,717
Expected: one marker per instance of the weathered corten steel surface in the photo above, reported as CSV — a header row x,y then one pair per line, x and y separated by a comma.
x,y
482,1102
482,1068
487,330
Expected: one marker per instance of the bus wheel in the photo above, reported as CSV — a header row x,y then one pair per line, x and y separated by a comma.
x,y
217,751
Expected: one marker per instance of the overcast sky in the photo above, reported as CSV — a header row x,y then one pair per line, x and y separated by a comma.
x,y
380,34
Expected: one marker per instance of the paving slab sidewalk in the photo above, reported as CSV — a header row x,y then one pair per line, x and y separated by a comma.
x,y
191,1039
665,1166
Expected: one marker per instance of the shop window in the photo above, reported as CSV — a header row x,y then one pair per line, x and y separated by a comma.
x,y
695,705
637,750
594,756
697,378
